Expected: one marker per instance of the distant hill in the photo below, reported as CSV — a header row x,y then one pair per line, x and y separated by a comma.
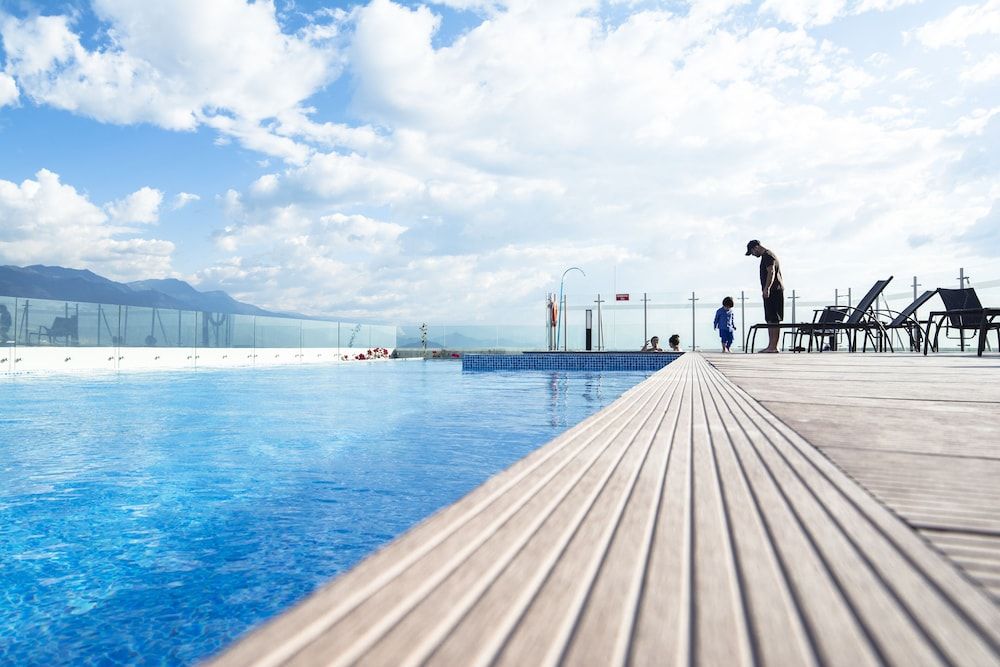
x,y
62,284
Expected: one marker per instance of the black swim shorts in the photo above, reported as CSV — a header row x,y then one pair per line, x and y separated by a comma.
x,y
774,306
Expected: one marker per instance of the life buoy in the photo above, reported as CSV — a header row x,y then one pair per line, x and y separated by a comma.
x,y
555,314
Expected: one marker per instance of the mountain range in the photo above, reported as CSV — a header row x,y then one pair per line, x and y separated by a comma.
x,y
62,284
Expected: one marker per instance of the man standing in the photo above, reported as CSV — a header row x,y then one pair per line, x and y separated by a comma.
x,y
772,289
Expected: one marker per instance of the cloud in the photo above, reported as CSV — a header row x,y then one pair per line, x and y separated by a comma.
x,y
141,206
8,90
984,236
984,70
961,24
643,143
546,137
182,199
823,12
47,221
177,64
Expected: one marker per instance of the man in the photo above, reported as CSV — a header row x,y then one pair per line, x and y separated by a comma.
x,y
772,289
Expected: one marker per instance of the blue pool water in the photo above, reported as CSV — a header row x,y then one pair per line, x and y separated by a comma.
x,y
155,517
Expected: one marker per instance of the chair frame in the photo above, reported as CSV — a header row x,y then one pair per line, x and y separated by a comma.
x,y
68,332
865,320
987,322
906,320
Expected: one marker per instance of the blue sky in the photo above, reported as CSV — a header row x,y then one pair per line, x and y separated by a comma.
x,y
448,160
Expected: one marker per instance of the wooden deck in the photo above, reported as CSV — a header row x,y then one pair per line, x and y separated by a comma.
x,y
697,520
920,433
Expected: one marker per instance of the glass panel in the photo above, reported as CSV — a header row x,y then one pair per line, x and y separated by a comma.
x,y
351,335
8,310
384,336
216,329
240,331
278,332
91,329
137,328
319,334
43,322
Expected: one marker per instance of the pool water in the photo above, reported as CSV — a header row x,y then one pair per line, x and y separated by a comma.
x,y
155,517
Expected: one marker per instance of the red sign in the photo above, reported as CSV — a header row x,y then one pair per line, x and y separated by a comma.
x,y
621,297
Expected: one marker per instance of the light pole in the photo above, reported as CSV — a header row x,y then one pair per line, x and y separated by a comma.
x,y
561,304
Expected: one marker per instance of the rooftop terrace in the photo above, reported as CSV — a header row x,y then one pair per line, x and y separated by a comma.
x,y
732,509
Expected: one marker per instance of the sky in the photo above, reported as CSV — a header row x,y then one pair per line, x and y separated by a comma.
x,y
447,161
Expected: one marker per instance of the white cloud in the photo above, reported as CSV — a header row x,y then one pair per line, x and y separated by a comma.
x,y
823,12
805,12
182,199
47,221
984,70
8,90
961,24
141,206
545,137
551,135
177,64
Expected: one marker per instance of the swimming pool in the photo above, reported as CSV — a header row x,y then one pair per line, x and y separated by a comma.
x,y
155,517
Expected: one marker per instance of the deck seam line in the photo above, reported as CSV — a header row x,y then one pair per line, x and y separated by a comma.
x,y
749,648
400,610
573,445
493,649
979,631
805,632
622,653
569,626
822,559
982,631
892,594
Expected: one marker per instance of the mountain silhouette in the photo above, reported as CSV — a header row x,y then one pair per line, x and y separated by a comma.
x,y
62,284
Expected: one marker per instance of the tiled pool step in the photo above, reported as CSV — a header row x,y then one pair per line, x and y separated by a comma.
x,y
569,361
684,524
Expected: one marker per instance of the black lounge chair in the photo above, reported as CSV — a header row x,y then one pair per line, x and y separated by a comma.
x,y
859,318
964,312
906,320
822,316
62,327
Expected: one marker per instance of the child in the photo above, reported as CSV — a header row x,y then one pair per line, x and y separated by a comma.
x,y
725,323
652,346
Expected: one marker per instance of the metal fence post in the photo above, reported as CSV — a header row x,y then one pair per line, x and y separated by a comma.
x,y
645,333
743,319
692,300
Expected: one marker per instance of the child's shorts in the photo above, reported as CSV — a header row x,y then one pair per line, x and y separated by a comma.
x,y
727,338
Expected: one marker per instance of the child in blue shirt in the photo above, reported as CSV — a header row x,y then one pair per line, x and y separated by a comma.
x,y
725,323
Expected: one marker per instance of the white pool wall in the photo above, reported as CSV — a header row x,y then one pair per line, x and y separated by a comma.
x,y
16,360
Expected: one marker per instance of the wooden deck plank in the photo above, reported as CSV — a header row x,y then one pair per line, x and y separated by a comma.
x,y
685,524
869,565
920,433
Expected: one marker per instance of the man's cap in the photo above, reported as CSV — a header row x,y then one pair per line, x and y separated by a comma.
x,y
751,245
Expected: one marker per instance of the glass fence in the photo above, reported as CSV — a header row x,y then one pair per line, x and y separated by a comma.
x,y
626,325
615,325
42,322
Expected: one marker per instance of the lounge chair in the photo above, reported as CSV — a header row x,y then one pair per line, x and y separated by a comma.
x,y
965,312
62,327
859,318
906,320
821,316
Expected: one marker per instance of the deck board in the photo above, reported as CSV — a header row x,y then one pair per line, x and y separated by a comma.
x,y
688,523
922,434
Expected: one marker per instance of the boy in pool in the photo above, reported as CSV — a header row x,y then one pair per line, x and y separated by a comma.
x,y
652,346
725,323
